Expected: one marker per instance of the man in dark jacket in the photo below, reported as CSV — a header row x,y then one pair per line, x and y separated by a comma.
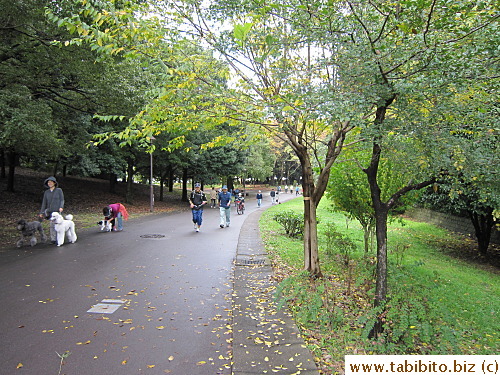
x,y
197,200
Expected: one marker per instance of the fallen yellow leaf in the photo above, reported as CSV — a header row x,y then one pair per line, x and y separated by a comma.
x,y
19,365
124,362
151,366
171,358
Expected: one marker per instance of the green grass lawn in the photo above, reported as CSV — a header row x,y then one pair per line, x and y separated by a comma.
x,y
437,304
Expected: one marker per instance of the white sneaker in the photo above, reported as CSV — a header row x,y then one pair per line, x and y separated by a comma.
x,y
197,229
195,225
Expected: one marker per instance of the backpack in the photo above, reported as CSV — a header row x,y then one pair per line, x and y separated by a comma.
x,y
197,199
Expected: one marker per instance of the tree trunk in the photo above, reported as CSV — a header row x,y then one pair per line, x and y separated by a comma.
x,y
482,227
171,179
2,164
367,231
311,256
56,168
112,183
163,178
129,195
12,169
184,185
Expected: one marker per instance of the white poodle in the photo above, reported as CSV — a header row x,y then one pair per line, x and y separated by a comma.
x,y
64,226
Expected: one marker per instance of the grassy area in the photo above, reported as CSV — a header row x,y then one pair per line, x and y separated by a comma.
x,y
438,304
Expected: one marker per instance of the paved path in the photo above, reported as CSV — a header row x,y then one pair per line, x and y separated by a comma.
x,y
187,308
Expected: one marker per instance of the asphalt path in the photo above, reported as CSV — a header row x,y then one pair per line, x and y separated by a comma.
x,y
172,287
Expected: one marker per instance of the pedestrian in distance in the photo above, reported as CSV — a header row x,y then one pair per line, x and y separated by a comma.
x,y
259,198
115,213
213,197
286,189
273,196
297,190
225,207
197,200
53,201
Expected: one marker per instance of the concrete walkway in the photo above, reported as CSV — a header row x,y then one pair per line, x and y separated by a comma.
x,y
266,340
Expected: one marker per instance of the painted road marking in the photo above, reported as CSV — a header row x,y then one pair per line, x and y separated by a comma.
x,y
107,306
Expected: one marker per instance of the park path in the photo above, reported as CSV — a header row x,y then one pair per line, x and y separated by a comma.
x,y
172,289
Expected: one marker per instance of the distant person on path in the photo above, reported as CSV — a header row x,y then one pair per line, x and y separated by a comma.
x,y
53,201
225,207
279,189
286,189
115,213
196,200
297,190
213,197
259,198
273,196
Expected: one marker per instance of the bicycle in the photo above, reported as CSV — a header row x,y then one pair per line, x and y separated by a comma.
x,y
240,207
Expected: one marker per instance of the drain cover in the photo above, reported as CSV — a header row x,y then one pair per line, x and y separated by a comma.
x,y
152,236
247,261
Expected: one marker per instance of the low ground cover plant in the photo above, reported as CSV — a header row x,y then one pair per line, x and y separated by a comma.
x,y
438,304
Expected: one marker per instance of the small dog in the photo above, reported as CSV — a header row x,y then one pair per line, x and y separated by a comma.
x,y
65,227
106,225
29,229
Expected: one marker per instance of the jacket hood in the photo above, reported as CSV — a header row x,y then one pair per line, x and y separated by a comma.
x,y
50,179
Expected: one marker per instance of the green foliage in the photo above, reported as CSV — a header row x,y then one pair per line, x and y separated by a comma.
x,y
338,243
437,304
292,222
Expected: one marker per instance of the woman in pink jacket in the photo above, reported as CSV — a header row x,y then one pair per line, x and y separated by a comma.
x,y
116,211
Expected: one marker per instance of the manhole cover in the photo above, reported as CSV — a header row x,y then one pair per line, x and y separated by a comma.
x,y
152,236
247,261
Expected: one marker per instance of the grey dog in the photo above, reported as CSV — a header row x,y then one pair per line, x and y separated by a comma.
x,y
29,229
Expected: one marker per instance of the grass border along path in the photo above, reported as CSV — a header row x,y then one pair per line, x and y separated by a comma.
x,y
437,304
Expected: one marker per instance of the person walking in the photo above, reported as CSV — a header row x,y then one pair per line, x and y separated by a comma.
x,y
273,196
225,207
286,189
197,200
115,213
53,201
259,198
297,190
213,197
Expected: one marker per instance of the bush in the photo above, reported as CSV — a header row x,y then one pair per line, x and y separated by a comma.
x,y
337,242
292,222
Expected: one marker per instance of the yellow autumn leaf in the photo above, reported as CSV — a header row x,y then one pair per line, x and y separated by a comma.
x,y
124,362
171,358
201,363
266,359
19,365
151,366
160,327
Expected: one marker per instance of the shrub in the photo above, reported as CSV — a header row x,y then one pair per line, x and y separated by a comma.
x,y
292,222
337,242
